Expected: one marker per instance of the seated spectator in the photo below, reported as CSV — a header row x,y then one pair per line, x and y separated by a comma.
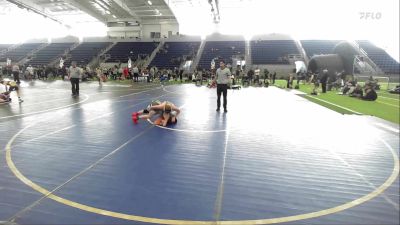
x,y
348,87
370,94
374,83
356,92
395,90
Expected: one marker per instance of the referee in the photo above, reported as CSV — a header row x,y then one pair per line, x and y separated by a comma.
x,y
74,75
223,77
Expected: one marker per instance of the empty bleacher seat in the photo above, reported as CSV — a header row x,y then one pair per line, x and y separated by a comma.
x,y
20,52
272,51
173,54
49,53
220,49
318,47
85,52
122,51
380,57
4,47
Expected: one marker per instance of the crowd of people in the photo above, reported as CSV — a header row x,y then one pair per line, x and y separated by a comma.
x,y
346,85
254,76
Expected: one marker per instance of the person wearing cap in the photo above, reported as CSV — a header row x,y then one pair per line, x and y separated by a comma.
x,y
222,78
146,113
169,113
74,74
12,86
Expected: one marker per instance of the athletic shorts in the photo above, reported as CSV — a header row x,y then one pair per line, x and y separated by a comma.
x,y
170,121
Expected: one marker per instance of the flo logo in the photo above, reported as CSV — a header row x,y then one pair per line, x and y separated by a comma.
x,y
370,15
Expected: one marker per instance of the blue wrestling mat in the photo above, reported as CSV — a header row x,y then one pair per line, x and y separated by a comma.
x,y
274,158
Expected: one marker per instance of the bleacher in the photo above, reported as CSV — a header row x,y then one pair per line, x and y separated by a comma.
x,y
49,53
318,47
4,47
172,54
380,57
85,52
272,51
20,52
220,49
123,50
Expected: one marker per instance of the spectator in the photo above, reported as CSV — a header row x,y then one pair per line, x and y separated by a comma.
x,y
135,71
290,81
323,79
15,72
74,74
30,72
370,94
250,75
356,92
257,72
273,77
223,77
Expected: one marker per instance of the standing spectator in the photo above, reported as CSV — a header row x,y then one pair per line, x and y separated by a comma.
x,y
323,79
30,72
273,77
223,77
15,72
314,81
145,74
289,83
266,73
126,73
169,74
250,76
120,73
152,73
74,74
257,72
181,75
135,71
99,75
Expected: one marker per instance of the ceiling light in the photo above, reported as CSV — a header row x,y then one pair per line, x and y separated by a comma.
x,y
157,11
108,12
150,3
114,16
160,14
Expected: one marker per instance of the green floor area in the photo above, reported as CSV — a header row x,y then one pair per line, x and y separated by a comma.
x,y
386,106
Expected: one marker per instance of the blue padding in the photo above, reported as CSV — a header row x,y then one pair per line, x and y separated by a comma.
x,y
164,175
